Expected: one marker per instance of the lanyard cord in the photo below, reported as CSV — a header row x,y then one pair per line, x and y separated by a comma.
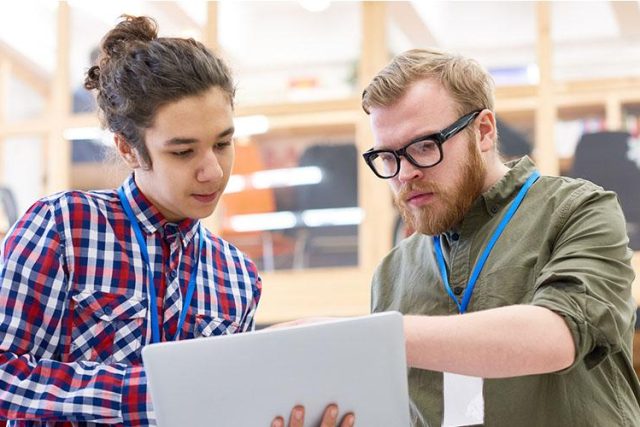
x,y
466,297
155,327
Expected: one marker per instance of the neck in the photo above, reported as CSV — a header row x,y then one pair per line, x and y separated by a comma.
x,y
496,170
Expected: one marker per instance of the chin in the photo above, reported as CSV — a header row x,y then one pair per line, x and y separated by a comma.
x,y
202,214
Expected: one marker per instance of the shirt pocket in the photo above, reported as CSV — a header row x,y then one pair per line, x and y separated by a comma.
x,y
209,326
107,327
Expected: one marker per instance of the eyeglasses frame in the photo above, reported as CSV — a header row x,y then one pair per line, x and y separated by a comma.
x,y
439,138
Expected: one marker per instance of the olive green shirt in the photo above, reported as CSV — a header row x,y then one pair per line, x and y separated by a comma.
x,y
565,249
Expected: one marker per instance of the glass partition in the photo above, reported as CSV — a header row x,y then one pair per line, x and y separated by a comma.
x,y
23,175
292,201
28,45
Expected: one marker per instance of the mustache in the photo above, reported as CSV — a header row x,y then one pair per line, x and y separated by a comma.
x,y
421,187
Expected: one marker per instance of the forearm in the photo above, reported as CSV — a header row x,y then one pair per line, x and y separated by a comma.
x,y
497,343
50,390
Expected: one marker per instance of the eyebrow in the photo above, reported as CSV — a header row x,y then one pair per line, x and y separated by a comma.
x,y
430,135
416,139
185,141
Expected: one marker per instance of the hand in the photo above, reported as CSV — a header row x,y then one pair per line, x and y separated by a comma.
x,y
329,419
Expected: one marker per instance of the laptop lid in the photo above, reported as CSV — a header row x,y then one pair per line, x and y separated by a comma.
x,y
248,379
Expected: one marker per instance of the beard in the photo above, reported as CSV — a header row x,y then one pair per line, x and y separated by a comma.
x,y
452,201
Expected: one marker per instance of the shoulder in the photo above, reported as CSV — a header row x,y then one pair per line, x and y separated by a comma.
x,y
64,209
411,251
568,194
72,207
75,199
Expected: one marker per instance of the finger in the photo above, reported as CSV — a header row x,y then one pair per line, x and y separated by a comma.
x,y
348,420
297,417
329,417
277,422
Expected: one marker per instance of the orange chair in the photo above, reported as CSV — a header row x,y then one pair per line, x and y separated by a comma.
x,y
261,246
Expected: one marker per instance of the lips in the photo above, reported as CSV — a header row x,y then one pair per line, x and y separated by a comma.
x,y
419,198
206,197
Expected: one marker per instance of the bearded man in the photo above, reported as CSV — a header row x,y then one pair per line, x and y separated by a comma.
x,y
516,287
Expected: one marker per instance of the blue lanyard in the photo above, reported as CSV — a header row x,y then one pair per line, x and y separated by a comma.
x,y
466,297
155,327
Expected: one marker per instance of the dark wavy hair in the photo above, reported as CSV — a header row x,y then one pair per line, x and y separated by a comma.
x,y
138,72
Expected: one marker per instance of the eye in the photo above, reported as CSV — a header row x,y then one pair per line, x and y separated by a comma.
x,y
181,154
387,157
222,145
424,147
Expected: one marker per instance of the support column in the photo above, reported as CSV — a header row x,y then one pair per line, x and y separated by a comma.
x,y
375,237
545,152
57,150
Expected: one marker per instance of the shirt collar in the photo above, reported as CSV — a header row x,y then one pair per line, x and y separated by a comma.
x,y
500,194
151,219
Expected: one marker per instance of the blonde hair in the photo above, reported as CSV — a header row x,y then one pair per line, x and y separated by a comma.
x,y
468,83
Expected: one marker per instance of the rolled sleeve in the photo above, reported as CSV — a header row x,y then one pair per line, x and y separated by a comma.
x,y
588,278
136,407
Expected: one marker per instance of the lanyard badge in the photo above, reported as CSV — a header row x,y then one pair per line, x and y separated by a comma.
x,y
155,327
466,297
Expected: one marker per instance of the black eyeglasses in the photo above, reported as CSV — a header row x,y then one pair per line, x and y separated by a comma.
x,y
423,152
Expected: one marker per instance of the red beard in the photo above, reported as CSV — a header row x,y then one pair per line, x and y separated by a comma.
x,y
452,201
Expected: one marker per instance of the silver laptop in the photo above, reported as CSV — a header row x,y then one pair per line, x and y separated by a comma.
x,y
245,380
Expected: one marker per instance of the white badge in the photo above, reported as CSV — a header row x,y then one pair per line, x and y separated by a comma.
x,y
463,401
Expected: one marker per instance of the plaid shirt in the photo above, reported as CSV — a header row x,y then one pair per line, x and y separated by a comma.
x,y
74,313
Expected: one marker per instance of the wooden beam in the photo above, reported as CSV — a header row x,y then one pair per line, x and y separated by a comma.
x,y
375,237
627,14
404,15
38,127
57,150
613,113
299,108
374,52
210,40
26,70
315,120
210,36
599,85
546,155
5,79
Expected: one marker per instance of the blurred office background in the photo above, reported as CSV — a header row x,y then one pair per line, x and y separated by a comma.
x,y
301,202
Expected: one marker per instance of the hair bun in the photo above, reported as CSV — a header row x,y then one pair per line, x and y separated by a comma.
x,y
130,30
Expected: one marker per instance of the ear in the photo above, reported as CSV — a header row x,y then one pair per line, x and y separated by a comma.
x,y
128,154
488,130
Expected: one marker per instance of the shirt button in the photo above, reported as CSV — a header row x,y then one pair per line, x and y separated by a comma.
x,y
455,237
171,231
107,311
458,290
494,209
173,274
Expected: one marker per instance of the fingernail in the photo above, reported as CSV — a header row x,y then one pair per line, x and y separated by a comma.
x,y
351,420
277,423
333,412
297,414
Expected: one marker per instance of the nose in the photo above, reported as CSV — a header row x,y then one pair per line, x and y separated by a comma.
x,y
408,172
209,168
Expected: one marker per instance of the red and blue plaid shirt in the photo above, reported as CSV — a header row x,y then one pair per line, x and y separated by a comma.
x,y
74,309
